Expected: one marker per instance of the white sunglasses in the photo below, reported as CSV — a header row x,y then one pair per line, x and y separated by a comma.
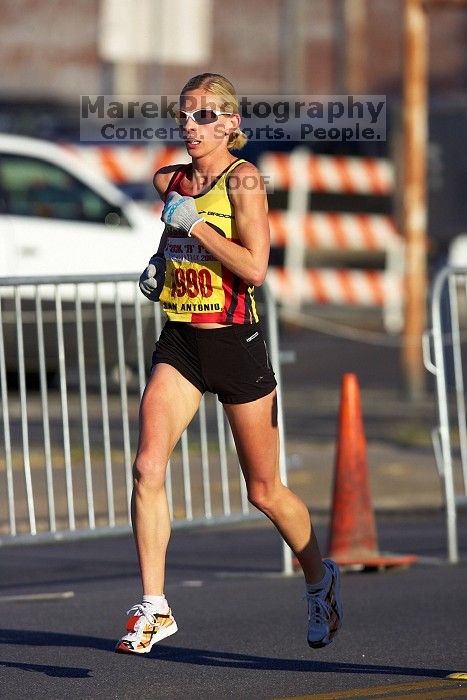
x,y
199,116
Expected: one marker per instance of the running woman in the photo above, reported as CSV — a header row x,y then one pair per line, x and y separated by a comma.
x,y
213,253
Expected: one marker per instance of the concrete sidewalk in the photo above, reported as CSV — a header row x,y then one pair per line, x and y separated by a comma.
x,y
400,478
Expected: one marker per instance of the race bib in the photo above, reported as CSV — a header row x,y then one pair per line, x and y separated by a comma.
x,y
193,280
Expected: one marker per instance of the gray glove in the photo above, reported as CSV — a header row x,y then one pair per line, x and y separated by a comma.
x,y
180,212
152,279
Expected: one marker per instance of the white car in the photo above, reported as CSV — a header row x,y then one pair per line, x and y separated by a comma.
x,y
59,217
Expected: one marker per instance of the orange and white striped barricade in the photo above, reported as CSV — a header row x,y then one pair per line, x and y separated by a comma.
x,y
325,173
335,286
128,163
297,230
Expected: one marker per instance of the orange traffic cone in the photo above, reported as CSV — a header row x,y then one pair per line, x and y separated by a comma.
x,y
353,539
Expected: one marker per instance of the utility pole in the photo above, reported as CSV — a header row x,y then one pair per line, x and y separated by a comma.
x,y
414,205
356,46
293,47
414,198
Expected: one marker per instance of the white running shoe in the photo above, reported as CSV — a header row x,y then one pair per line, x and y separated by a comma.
x,y
144,629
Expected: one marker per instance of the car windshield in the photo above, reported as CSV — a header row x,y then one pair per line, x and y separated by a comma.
x,y
34,187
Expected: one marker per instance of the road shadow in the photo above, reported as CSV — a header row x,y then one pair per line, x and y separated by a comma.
x,y
201,657
38,638
206,657
53,671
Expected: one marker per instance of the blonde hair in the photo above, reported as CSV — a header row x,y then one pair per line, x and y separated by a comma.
x,y
220,86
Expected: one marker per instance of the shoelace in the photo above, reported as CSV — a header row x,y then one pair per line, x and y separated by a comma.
x,y
139,609
317,608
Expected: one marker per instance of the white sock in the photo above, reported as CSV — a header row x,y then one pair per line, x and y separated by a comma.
x,y
157,602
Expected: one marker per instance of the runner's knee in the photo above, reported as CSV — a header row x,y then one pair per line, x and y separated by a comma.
x,y
148,471
264,495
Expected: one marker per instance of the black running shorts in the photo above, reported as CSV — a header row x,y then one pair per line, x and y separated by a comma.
x,y
231,361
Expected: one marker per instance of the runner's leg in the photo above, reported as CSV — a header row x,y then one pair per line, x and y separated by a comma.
x,y
168,404
256,435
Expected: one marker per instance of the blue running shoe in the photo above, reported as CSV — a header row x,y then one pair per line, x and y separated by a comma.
x,y
325,609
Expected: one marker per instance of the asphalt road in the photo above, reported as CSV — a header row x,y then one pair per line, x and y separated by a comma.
x,y
242,626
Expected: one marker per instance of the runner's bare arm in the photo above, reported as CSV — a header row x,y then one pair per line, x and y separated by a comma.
x,y
250,260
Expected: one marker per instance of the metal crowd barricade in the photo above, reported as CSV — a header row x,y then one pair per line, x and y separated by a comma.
x,y
73,363
448,339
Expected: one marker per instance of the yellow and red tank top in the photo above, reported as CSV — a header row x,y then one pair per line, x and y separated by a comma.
x,y
198,288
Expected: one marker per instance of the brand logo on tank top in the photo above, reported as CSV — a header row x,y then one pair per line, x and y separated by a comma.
x,y
215,213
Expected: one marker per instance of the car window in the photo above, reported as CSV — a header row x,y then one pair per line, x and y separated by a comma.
x,y
34,187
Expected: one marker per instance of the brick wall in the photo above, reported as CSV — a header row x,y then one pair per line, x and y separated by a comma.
x,y
48,48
